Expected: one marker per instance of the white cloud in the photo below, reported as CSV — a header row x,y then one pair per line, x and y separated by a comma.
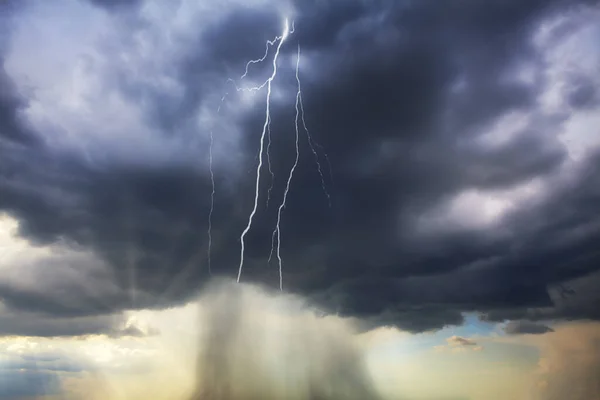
x,y
458,344
476,209
506,128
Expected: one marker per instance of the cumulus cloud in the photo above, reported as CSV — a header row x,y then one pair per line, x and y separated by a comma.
x,y
457,344
460,341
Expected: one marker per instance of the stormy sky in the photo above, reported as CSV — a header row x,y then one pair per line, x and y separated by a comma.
x,y
455,177
458,142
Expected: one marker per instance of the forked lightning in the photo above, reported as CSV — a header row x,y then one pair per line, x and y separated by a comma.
x,y
266,132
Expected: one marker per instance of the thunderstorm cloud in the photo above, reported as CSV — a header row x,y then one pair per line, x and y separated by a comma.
x,y
462,159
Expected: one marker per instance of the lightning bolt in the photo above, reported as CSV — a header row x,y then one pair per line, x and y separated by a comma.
x,y
266,133
268,83
212,194
328,162
268,44
277,231
263,58
276,236
312,143
269,163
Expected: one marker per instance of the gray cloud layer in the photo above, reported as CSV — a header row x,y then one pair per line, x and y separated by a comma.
x,y
401,96
526,327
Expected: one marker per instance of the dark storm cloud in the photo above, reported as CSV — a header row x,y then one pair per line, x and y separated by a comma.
x,y
416,318
40,325
397,95
583,93
115,5
13,130
526,327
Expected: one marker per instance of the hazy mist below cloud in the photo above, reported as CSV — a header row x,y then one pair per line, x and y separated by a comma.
x,y
260,345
